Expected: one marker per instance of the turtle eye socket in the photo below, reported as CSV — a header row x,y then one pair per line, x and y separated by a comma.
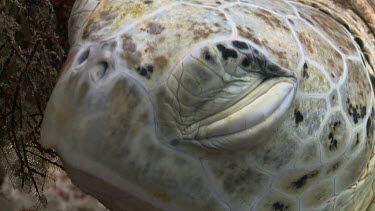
x,y
228,95
84,56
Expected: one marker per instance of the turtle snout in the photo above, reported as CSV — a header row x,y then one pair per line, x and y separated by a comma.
x,y
91,100
96,61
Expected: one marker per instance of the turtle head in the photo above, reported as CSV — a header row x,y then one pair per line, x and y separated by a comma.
x,y
222,97
111,130
200,116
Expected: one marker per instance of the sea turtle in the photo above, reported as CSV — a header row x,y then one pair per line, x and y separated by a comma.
x,y
217,105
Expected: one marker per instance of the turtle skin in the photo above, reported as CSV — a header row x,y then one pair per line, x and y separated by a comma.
x,y
215,105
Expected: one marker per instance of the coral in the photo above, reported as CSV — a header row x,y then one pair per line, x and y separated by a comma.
x,y
31,53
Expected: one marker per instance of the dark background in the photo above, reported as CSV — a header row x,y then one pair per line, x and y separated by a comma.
x,y
33,46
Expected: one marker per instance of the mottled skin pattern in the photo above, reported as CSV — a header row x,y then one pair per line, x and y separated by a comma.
x,y
134,114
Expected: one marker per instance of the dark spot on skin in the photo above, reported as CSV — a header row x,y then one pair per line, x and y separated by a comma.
x,y
356,112
372,77
218,2
130,53
226,52
200,30
335,124
148,2
161,62
142,71
150,68
298,116
207,55
305,66
363,111
240,45
155,28
357,140
145,70
332,75
332,142
302,180
305,74
369,126
245,62
128,45
279,206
